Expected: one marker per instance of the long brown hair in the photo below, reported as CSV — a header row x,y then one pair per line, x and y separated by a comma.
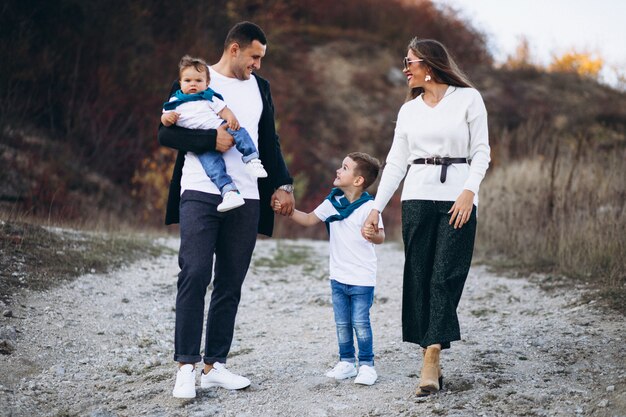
x,y
443,69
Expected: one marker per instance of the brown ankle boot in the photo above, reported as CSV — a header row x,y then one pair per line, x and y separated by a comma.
x,y
430,378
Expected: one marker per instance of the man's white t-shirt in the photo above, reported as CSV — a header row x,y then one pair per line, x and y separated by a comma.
x,y
352,258
244,100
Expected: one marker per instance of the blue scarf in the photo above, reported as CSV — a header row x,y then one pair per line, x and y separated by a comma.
x,y
343,206
184,98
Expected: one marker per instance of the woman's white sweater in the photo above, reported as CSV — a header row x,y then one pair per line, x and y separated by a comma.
x,y
456,127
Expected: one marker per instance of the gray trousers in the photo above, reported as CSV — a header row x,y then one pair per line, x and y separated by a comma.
x,y
438,259
205,233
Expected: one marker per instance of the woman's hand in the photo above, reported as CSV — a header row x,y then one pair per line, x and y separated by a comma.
x,y
371,221
461,209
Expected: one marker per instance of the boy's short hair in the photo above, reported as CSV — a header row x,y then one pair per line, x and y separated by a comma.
x,y
366,166
244,33
198,63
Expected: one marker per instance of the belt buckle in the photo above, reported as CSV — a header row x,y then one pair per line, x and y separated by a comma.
x,y
436,160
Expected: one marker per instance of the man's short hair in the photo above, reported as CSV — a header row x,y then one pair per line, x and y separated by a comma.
x,y
244,33
198,63
366,166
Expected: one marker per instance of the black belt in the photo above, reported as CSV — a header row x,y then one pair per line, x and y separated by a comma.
x,y
443,161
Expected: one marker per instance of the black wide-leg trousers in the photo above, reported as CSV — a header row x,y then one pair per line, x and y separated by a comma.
x,y
437,261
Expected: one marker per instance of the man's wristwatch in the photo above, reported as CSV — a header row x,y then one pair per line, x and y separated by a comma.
x,y
286,187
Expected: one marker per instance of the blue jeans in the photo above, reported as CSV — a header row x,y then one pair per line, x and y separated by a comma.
x,y
215,167
351,304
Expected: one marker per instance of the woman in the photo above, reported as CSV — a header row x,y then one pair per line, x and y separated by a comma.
x,y
439,130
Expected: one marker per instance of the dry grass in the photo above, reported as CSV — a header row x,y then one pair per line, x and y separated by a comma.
x,y
35,257
562,212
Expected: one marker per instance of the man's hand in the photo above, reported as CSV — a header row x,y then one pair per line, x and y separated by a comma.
x,y
224,141
282,202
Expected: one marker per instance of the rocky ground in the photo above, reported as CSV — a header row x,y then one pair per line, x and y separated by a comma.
x,y
102,346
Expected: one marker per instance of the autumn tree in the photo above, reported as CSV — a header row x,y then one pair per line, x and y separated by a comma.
x,y
585,64
522,58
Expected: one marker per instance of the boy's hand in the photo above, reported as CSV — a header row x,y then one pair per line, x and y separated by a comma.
x,y
368,232
284,201
169,118
372,220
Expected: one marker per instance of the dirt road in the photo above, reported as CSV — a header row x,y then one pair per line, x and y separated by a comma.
x,y
102,346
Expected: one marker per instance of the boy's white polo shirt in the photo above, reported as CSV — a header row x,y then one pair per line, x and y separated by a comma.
x,y
352,258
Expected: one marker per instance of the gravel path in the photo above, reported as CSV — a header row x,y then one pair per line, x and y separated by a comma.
x,y
102,346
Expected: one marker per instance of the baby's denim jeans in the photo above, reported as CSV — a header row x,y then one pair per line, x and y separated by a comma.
x,y
215,167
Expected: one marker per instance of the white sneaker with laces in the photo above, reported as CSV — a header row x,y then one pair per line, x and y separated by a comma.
x,y
367,375
219,376
254,167
185,386
231,200
342,370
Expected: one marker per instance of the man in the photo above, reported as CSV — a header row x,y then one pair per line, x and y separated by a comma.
x,y
230,236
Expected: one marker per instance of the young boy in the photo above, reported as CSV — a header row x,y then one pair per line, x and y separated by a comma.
x,y
196,106
352,262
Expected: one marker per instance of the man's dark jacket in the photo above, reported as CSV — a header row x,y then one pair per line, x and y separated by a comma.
x,y
199,141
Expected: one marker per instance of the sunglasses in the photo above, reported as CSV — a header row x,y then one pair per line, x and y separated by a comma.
x,y
406,62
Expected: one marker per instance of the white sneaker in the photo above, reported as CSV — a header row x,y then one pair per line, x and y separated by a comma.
x,y
185,386
342,370
219,376
231,200
255,168
367,375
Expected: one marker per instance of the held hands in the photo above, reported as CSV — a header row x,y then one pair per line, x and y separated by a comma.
x,y
368,233
462,209
276,206
283,202
169,118
371,222
370,230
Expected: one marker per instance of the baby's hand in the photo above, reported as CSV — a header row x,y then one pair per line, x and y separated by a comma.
x,y
229,118
169,118
233,123
277,206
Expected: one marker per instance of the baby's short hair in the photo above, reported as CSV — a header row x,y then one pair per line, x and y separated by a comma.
x,y
366,166
198,63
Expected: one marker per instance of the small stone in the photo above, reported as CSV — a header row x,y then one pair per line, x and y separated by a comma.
x,y
7,313
6,347
610,388
603,403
